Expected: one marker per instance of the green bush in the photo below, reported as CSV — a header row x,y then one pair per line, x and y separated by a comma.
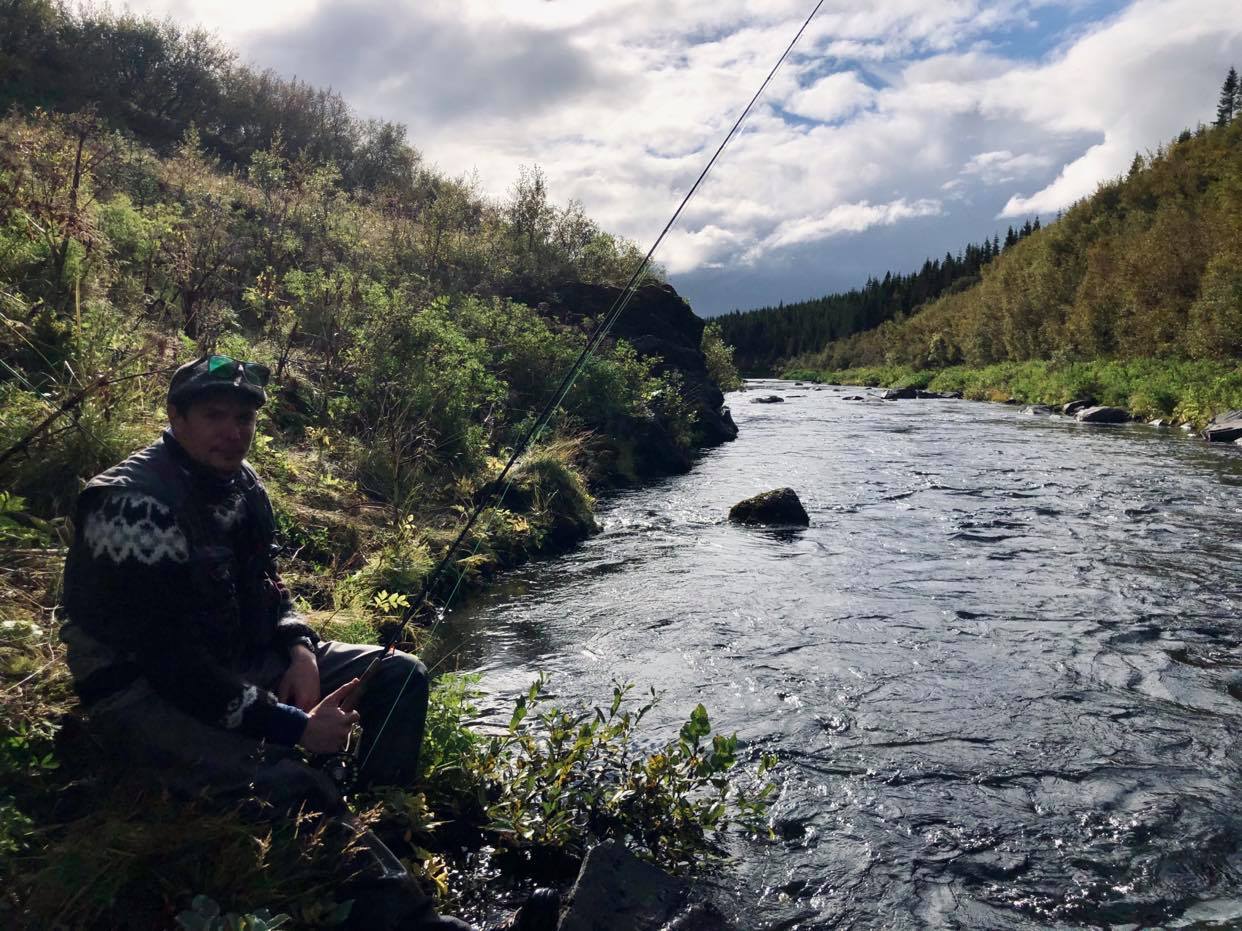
x,y
561,780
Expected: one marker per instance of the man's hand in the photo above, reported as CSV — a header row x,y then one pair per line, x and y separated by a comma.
x,y
329,723
300,684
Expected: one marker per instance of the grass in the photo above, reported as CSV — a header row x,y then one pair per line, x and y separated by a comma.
x,y
1182,391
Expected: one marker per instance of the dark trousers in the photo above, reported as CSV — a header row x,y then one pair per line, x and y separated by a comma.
x,y
197,757
393,707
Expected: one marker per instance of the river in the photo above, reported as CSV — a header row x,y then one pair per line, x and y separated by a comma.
x,y
997,667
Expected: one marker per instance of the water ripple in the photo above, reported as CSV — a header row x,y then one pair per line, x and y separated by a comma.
x,y
1003,665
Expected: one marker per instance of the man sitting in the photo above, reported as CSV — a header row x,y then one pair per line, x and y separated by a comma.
x,y
188,655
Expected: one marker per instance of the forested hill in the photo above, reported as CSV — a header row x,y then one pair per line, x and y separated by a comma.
x,y
1148,266
765,336
154,79
160,84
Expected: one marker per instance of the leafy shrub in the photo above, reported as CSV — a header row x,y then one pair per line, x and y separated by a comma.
x,y
719,357
561,780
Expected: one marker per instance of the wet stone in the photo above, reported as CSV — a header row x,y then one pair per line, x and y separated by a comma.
x,y
779,506
768,399
1073,407
616,891
1105,415
1224,428
900,394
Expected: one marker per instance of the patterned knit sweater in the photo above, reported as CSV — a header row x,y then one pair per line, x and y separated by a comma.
x,y
170,574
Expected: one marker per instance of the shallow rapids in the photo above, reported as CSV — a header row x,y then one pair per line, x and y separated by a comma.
x,y
1000,666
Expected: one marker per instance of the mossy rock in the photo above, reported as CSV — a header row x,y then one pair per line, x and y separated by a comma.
x,y
780,506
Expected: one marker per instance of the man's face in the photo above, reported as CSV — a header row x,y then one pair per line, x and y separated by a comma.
x,y
216,431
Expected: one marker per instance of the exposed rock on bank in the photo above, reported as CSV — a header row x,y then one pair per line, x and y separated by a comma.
x,y
900,394
780,506
616,891
908,394
657,323
1105,415
1224,428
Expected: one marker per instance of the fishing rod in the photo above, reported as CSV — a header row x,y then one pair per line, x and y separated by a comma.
x,y
603,326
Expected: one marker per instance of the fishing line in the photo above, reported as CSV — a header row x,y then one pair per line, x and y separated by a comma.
x,y
601,330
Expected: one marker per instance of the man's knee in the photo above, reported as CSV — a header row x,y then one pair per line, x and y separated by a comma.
x,y
405,677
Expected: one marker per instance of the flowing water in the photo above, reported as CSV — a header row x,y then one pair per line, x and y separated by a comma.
x,y
1000,667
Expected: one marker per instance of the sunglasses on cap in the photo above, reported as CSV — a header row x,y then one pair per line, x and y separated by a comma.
x,y
231,369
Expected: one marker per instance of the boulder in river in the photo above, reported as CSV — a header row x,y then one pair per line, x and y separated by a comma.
x,y
616,891
779,506
1073,407
1039,410
768,399
1224,428
852,397
899,394
1106,415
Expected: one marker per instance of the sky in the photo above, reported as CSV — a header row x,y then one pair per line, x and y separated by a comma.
x,y
897,129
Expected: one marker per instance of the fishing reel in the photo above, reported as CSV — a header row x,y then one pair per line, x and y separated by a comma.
x,y
342,767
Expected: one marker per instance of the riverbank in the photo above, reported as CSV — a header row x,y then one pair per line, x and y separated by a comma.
x,y
492,814
1177,391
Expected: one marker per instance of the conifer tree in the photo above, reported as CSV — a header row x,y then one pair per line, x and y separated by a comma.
x,y
1228,105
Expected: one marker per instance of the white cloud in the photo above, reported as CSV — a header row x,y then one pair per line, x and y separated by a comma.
x,y
830,98
901,109
1002,166
844,218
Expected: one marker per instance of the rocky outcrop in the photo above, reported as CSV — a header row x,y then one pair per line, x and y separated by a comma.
x,y
616,891
1224,428
1104,415
658,323
780,506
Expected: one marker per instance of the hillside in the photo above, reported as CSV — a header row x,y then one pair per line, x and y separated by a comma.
x,y
1150,266
764,337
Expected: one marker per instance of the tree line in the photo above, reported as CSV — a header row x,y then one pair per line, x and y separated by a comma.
x,y
766,336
